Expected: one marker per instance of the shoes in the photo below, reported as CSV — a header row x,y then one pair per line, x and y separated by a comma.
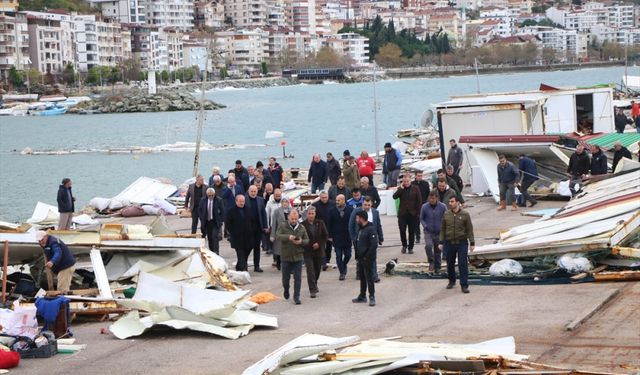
x,y
404,249
258,269
376,280
269,252
417,239
274,264
359,299
503,206
372,301
514,207
522,205
297,302
325,267
432,268
533,204
313,295
451,285
286,294
342,277
410,251
465,289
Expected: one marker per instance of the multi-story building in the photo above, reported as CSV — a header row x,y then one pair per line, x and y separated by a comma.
x,y
85,39
401,19
14,43
9,6
244,49
173,39
567,43
125,38
276,13
145,45
602,33
500,19
447,22
246,13
124,11
581,20
50,41
209,14
110,45
301,16
621,16
352,45
178,14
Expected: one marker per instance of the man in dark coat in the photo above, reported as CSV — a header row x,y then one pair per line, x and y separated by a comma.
x,y
578,168
424,188
528,175
195,193
259,224
66,205
366,248
276,172
368,190
266,175
211,213
409,211
619,152
621,120
318,173
457,239
314,250
242,175
333,168
238,222
230,192
374,218
323,205
598,161
391,165
339,188
455,156
338,227
507,178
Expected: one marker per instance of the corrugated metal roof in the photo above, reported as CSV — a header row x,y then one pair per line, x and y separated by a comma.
x,y
607,140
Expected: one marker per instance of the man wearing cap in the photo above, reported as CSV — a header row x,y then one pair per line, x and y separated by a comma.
x,y
58,259
211,213
66,204
391,165
366,248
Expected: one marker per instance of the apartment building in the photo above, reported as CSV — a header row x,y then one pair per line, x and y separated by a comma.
x,y
145,45
246,13
209,14
85,39
352,45
9,6
178,14
124,11
50,41
602,33
301,16
14,43
111,50
567,43
245,49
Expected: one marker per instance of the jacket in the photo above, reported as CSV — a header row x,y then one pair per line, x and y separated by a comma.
x,y
366,166
455,157
458,180
528,169
367,243
334,170
270,208
290,252
319,236
262,213
445,195
424,188
618,155
410,200
578,164
457,228
322,209
334,191
276,175
229,198
451,183
354,228
219,189
189,201
58,253
318,173
507,174
355,203
267,178
238,223
65,200
211,179
599,163
372,192
218,211
351,176
338,227
431,217
278,218
242,177
621,121
392,161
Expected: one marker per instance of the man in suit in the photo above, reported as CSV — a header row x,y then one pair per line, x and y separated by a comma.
x,y
195,193
259,224
230,192
211,213
374,218
338,227
238,223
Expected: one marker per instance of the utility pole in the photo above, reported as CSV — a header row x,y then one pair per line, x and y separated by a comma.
x,y
375,109
475,60
201,115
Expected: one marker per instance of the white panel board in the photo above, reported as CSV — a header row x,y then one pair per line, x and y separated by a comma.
x,y
560,114
487,160
603,112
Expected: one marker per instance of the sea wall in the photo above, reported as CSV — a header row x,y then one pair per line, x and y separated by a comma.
x,y
162,102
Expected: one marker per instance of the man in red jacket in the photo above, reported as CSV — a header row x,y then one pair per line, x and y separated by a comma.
x,y
366,166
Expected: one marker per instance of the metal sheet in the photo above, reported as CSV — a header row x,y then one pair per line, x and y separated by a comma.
x,y
144,190
488,161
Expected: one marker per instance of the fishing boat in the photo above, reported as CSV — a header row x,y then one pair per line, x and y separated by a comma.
x,y
50,111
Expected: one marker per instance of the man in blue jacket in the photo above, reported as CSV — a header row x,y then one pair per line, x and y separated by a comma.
x,y
374,218
431,216
391,165
58,259
318,173
338,227
66,205
507,178
528,175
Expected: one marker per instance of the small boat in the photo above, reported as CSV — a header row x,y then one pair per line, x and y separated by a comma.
x,y
51,111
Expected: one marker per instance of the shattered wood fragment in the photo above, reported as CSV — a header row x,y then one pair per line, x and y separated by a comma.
x,y
626,251
617,276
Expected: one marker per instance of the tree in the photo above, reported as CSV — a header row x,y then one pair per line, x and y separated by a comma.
x,y
264,68
164,75
530,53
390,56
390,35
33,76
549,55
326,57
15,77
69,74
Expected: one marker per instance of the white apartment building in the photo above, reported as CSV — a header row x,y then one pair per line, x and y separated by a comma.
x,y
503,21
276,13
209,14
301,16
145,46
401,19
629,36
178,14
85,38
125,11
14,43
621,16
245,49
352,45
171,49
580,20
567,43
246,13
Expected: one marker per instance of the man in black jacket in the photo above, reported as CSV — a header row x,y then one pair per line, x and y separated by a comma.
x,y
259,224
195,192
323,205
318,173
424,193
368,190
242,175
619,152
598,161
238,222
338,227
333,167
578,168
211,213
66,205
366,247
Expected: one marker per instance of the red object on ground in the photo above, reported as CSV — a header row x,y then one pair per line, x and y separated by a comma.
x,y
103,331
9,359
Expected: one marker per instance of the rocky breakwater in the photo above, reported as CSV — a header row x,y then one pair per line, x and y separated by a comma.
x,y
161,102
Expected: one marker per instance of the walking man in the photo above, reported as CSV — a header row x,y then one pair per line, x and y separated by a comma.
x,y
195,193
391,165
339,188
456,238
578,169
276,172
374,218
318,174
322,206
293,237
366,247
314,250
431,216
455,156
507,178
211,213
333,169
259,224
238,223
66,204
528,175
338,227
409,211
58,259
368,190
424,188
357,199
230,192
351,173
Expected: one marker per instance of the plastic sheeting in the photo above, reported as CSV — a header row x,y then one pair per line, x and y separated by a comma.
x,y
44,214
145,190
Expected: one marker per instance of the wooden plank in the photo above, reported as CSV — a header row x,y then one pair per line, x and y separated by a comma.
x,y
626,251
101,274
617,276
583,275
588,312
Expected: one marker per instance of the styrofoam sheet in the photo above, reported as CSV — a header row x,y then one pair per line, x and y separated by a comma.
x,y
145,190
44,214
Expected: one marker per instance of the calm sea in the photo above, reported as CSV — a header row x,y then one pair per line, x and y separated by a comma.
x,y
314,118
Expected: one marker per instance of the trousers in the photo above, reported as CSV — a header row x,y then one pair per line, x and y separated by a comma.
x,y
211,232
343,256
327,253
295,269
194,220
507,192
313,265
573,181
242,254
65,220
431,241
407,221
524,189
366,278
461,251
256,241
64,278
391,178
